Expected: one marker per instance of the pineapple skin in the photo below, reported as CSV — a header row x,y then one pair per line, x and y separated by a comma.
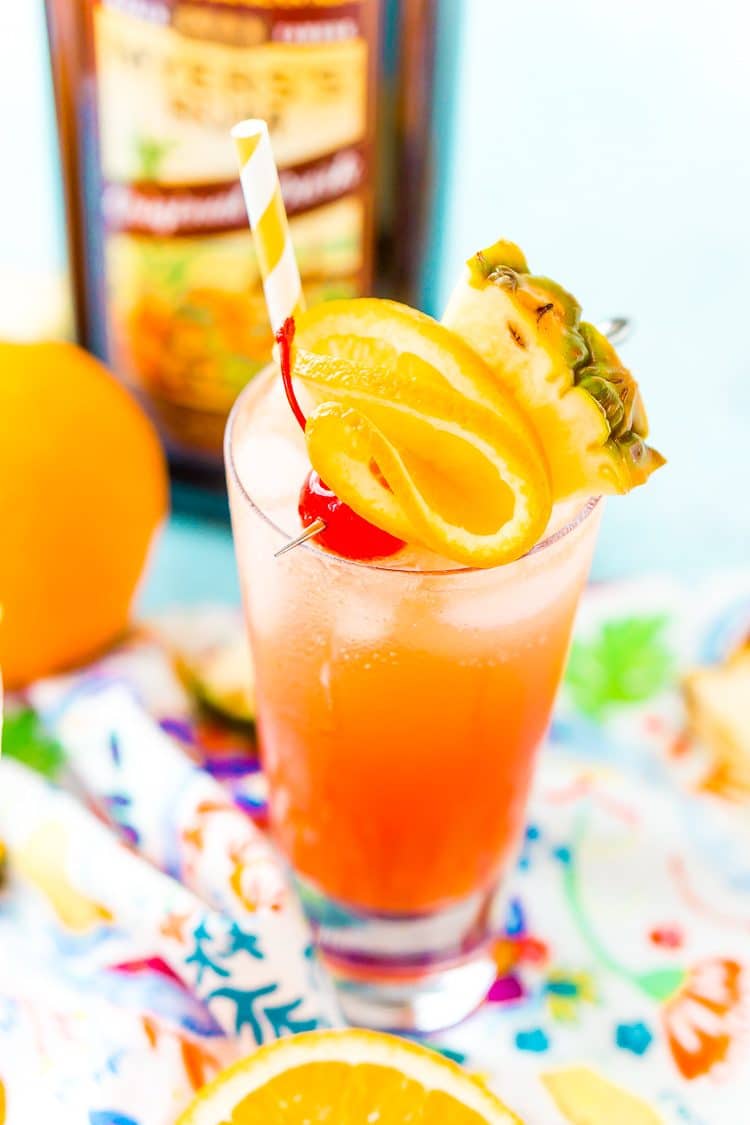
x,y
566,376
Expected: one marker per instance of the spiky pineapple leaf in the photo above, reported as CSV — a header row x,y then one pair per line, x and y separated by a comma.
x,y
25,739
627,662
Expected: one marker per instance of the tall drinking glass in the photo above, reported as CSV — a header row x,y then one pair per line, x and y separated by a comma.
x,y
400,712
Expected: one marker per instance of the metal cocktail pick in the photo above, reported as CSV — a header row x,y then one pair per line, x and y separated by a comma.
x,y
310,532
616,329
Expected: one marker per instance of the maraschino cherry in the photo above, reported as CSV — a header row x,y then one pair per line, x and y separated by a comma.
x,y
345,532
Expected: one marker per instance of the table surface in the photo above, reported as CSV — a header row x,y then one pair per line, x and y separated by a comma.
x,y
625,941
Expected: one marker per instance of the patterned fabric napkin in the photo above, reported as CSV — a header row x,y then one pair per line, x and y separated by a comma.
x,y
148,936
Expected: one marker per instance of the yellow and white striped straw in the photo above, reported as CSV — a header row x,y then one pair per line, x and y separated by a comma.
x,y
268,222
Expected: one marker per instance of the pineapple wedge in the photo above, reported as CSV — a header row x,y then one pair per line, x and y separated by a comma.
x,y
718,708
585,1097
564,374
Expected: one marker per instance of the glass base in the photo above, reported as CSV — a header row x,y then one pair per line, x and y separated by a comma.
x,y
408,972
419,1004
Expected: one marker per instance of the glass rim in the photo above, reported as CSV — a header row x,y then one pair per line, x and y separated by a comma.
x,y
580,516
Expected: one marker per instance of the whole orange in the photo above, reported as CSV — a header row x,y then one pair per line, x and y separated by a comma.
x,y
83,488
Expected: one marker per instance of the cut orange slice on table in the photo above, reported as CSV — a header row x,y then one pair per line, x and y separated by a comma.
x,y
346,1078
411,431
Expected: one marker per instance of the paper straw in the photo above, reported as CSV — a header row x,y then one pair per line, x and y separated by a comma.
x,y
253,982
268,222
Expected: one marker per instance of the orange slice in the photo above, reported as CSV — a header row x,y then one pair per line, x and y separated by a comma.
x,y
376,333
346,1078
411,431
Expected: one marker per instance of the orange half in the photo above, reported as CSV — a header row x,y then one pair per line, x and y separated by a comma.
x,y
346,1078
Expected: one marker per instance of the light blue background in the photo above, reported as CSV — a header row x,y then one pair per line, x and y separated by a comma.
x,y
612,141
31,230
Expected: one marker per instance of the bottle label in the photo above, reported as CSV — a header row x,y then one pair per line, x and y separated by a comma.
x,y
186,315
